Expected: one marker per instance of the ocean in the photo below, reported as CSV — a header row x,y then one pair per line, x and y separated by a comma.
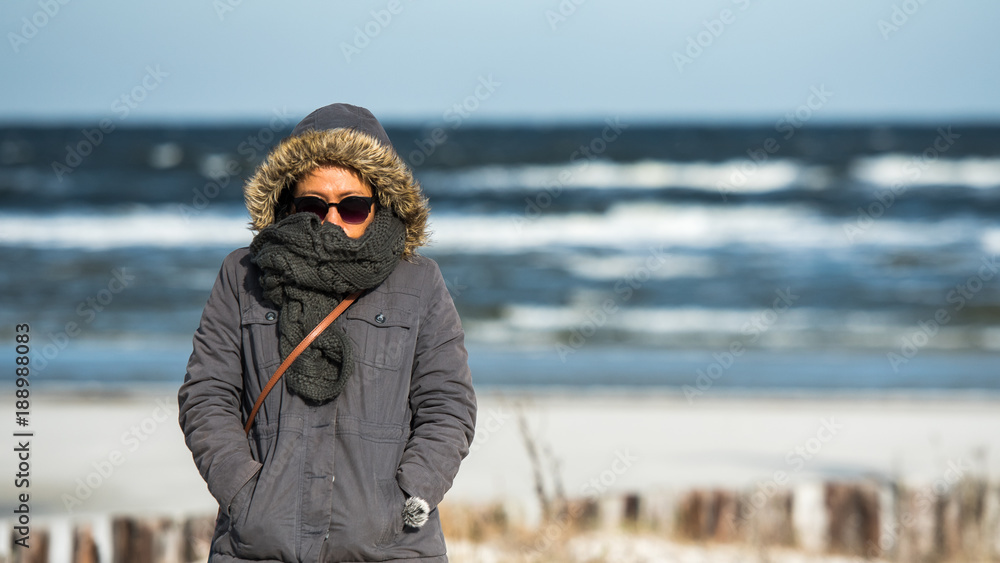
x,y
683,258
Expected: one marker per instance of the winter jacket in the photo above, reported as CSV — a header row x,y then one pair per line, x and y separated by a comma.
x,y
328,482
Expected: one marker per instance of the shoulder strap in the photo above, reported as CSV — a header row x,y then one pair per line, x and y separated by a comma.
x,y
295,354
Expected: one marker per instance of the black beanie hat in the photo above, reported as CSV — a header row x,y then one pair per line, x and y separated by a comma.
x,y
335,116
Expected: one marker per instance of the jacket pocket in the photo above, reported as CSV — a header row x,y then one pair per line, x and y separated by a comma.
x,y
391,502
382,334
241,500
367,510
265,510
260,333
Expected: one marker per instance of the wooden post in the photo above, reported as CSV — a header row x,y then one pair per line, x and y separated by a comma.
x,y
84,548
37,550
133,541
197,540
853,519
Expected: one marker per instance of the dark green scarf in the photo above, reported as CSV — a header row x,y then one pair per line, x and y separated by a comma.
x,y
308,268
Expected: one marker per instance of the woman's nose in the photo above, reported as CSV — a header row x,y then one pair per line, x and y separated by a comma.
x,y
333,216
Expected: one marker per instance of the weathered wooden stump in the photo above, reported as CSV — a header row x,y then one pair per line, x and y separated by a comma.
x,y
133,540
84,547
630,510
726,505
690,515
913,539
197,538
852,517
37,550
716,515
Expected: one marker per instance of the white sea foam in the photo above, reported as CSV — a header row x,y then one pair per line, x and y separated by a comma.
x,y
991,241
795,327
909,170
633,227
619,266
161,227
652,226
730,176
684,320
165,155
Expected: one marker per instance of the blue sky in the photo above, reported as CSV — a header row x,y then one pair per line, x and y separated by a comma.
x,y
552,60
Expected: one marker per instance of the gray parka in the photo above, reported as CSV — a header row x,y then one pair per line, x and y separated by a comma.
x,y
329,482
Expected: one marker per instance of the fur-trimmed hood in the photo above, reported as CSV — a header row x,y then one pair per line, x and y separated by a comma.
x,y
343,135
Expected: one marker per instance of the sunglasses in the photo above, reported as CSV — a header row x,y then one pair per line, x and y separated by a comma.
x,y
352,209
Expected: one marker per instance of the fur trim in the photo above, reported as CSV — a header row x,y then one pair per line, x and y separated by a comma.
x,y
380,166
415,512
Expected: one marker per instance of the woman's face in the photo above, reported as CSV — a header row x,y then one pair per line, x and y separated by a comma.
x,y
332,184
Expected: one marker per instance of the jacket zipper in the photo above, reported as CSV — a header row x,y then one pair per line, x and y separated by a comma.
x,y
333,469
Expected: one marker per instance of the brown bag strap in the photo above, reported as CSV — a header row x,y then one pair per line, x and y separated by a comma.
x,y
295,353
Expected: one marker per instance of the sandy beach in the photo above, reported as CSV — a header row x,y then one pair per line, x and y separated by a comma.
x,y
99,453
95,456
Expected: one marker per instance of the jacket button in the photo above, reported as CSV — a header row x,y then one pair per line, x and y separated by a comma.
x,y
380,318
269,316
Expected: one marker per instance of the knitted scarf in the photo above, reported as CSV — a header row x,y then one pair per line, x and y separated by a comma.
x,y
308,268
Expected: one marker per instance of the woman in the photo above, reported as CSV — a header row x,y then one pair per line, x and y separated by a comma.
x,y
348,458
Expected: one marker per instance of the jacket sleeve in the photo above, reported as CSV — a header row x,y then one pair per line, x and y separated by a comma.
x,y
209,398
442,400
